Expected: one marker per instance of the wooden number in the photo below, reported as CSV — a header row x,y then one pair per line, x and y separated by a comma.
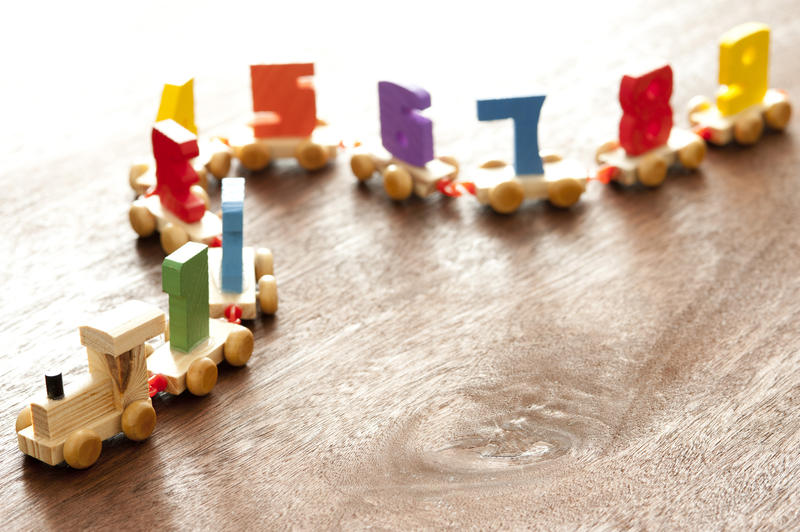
x,y
283,100
405,133
525,113
743,63
184,276
646,114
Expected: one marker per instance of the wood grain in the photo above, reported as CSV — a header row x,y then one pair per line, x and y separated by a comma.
x,y
632,362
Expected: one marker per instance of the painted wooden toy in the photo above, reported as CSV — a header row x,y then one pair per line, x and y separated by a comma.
x,y
648,143
238,276
214,156
70,426
195,342
744,102
176,207
285,124
406,163
534,175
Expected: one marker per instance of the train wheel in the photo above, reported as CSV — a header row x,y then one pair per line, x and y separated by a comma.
x,y
137,171
238,346
362,166
173,237
564,192
778,114
268,294
138,420
24,419
311,156
692,154
82,448
748,129
652,170
220,164
263,262
506,197
201,376
142,220
397,182
254,156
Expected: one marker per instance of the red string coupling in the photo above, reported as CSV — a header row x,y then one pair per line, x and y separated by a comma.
x,y
446,187
216,242
704,132
606,174
225,140
157,383
469,186
233,314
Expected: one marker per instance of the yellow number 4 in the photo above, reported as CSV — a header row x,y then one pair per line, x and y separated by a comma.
x,y
177,103
743,62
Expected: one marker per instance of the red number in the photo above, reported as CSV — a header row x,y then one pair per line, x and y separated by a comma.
x,y
646,114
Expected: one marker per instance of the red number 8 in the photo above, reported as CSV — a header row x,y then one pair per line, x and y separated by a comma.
x,y
647,117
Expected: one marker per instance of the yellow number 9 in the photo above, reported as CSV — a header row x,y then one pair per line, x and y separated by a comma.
x,y
743,61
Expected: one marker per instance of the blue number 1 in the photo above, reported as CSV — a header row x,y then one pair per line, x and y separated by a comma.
x,y
525,113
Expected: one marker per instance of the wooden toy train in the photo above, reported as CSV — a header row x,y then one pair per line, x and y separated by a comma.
x,y
125,371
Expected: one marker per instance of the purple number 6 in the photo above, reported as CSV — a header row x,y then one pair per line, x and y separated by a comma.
x,y
405,133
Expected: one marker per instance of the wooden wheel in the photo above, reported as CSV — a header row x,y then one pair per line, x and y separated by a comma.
x,y
201,376
565,192
748,129
652,170
173,237
82,448
138,420
263,262
397,182
506,197
142,220
268,294
220,164
778,114
310,155
24,419
137,171
254,156
238,346
201,193
362,166
692,154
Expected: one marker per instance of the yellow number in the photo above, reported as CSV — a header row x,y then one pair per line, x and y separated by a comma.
x,y
177,103
743,61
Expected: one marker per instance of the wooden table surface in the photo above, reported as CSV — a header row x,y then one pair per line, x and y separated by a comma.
x,y
633,361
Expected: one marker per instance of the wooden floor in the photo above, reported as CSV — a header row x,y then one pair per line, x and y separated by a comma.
x,y
631,362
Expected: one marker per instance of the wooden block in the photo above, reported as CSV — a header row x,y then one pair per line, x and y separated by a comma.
x,y
185,279
173,364
627,165
424,178
127,373
232,229
173,148
82,403
533,187
203,231
719,129
51,451
219,300
177,103
122,329
285,147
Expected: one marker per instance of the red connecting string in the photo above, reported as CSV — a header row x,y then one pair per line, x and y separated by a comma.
x,y
157,383
233,314
454,188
